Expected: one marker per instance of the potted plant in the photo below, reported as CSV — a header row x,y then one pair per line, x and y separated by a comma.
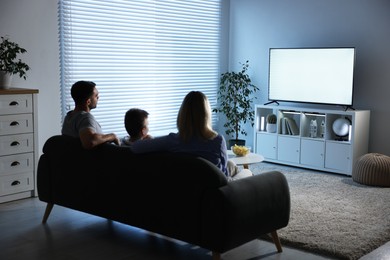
x,y
235,102
9,62
271,123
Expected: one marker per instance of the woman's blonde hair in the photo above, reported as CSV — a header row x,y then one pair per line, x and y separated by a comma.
x,y
194,117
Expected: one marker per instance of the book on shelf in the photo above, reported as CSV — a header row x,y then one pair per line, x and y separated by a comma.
x,y
284,126
292,126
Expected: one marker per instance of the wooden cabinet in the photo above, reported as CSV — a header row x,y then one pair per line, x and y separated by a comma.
x,y
305,137
18,143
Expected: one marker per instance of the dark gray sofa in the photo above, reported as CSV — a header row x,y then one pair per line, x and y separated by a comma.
x,y
177,195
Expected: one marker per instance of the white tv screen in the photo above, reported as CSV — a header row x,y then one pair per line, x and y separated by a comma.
x,y
311,75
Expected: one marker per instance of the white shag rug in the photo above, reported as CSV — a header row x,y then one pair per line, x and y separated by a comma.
x,y
331,214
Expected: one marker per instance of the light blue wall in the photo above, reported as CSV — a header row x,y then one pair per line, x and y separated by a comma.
x,y
257,25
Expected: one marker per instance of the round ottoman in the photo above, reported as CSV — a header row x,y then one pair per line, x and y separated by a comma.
x,y
372,169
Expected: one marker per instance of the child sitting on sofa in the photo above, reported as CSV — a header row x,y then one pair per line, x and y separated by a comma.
x,y
137,126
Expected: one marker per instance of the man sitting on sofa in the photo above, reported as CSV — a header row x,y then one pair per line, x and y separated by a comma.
x,y
80,122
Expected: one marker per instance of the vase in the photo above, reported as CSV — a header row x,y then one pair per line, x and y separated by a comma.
x,y
271,128
5,80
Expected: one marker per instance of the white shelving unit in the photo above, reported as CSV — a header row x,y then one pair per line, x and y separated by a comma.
x,y
325,151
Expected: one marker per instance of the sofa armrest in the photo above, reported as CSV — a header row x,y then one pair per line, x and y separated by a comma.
x,y
244,209
44,180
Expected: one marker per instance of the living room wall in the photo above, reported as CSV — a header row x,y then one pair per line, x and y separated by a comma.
x,y
255,26
34,26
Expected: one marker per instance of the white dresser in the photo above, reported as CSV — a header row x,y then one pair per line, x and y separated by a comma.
x,y
18,143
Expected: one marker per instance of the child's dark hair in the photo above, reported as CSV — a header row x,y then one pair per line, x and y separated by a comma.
x,y
134,121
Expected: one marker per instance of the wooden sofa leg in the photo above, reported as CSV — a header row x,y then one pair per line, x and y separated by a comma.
x,y
216,256
49,207
276,240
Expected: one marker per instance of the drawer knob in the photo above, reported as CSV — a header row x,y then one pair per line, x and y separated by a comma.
x,y
15,163
14,183
15,143
14,123
14,103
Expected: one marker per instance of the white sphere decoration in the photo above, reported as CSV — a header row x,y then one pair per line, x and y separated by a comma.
x,y
341,127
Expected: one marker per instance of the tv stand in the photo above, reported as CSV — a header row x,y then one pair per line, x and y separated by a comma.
x,y
295,144
269,103
350,107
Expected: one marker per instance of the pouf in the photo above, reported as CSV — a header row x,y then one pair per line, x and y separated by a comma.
x,y
372,169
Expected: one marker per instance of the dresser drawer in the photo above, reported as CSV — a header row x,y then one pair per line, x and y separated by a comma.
x,y
16,183
15,104
14,144
18,163
16,124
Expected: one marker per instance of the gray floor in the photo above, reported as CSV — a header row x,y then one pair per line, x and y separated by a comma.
x,y
74,235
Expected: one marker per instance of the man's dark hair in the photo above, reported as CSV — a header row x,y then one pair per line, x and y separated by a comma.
x,y
134,121
81,91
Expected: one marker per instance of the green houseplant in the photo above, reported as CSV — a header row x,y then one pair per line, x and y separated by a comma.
x,y
271,123
235,102
9,62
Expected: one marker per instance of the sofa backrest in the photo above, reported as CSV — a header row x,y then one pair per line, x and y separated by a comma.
x,y
162,192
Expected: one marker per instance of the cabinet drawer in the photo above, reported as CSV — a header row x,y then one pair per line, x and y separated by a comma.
x,y
15,104
288,149
312,152
338,157
16,124
266,145
16,183
19,163
14,144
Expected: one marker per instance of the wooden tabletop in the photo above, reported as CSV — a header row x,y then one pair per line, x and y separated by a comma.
x,y
245,160
12,91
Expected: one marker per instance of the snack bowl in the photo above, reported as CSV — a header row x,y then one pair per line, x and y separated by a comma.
x,y
240,150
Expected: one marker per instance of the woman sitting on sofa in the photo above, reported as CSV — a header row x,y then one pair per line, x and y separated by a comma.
x,y
196,136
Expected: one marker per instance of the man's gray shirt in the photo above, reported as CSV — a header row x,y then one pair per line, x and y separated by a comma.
x,y
74,122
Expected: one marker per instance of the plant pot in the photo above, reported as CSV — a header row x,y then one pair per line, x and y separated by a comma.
x,y
271,128
232,142
5,80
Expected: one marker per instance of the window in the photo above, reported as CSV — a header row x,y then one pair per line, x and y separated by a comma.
x,y
140,53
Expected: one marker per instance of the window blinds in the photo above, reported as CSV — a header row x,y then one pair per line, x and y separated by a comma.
x,y
141,53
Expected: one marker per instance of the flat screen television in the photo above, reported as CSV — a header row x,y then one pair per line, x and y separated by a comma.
x,y
311,75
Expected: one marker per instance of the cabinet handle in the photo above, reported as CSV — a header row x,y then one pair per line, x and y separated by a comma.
x,y
15,143
14,183
14,103
15,163
14,123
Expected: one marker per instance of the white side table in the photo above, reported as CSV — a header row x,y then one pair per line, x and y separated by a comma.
x,y
250,158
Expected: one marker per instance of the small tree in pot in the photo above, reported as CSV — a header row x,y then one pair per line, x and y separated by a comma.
x,y
235,102
9,64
